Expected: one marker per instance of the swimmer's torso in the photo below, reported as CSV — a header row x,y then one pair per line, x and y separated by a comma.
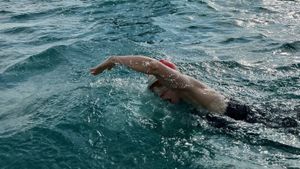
x,y
204,97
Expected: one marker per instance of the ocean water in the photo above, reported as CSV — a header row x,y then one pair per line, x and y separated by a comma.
x,y
54,114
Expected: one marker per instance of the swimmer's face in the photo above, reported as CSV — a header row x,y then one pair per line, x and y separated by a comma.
x,y
164,92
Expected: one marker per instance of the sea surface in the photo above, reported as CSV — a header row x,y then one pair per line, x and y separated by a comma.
x,y
54,114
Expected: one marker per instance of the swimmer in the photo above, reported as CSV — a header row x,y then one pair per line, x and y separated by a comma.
x,y
169,84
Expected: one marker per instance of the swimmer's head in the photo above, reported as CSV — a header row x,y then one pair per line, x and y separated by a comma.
x,y
159,89
152,79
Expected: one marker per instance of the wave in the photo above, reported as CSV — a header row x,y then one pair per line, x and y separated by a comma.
x,y
244,39
291,67
265,10
110,3
290,0
5,12
194,6
229,64
49,12
278,145
209,5
236,40
35,64
201,27
291,47
31,15
18,30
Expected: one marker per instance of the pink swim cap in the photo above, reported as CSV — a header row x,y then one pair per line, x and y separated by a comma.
x,y
168,63
152,79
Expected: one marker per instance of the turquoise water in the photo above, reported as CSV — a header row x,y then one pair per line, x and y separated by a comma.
x,y
54,114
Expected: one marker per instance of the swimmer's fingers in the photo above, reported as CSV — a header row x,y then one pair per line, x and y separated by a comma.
x,y
94,71
97,70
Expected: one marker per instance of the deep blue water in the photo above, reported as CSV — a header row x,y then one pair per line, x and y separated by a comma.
x,y
54,114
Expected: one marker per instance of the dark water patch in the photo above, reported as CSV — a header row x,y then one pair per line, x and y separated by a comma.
x,y
266,49
241,40
289,95
290,47
272,44
123,21
5,12
289,122
281,118
200,27
191,13
230,64
236,40
291,67
199,2
265,10
290,0
15,30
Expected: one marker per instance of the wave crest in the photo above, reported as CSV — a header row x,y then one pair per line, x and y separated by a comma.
x,y
35,64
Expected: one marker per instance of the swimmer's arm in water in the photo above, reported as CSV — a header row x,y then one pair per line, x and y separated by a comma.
x,y
169,77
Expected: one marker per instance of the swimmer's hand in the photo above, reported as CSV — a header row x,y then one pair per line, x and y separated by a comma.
x,y
107,64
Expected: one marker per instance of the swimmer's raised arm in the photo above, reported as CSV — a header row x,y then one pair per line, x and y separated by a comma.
x,y
138,63
143,64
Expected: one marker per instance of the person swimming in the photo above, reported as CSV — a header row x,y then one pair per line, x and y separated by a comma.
x,y
168,83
